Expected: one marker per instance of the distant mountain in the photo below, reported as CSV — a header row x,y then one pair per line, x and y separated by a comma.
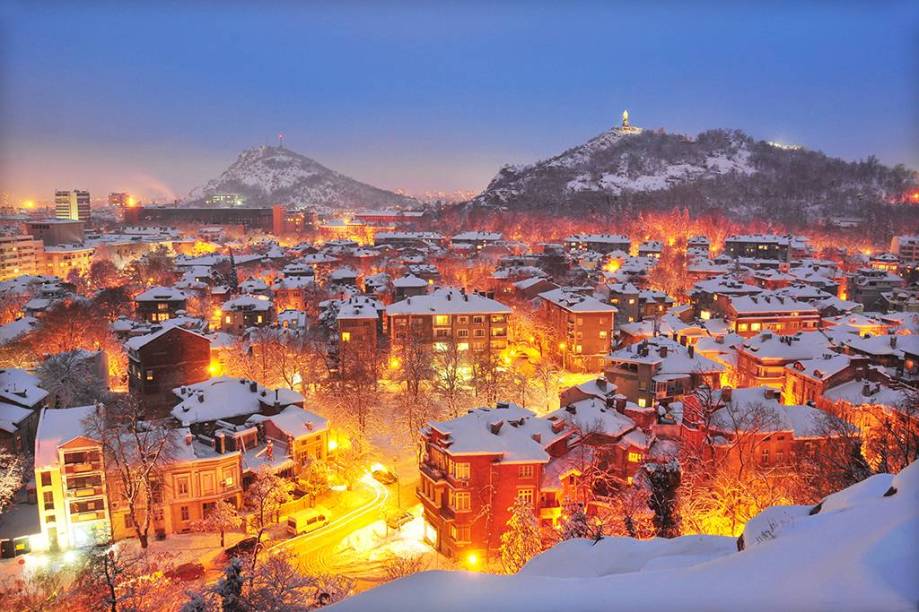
x,y
628,169
265,175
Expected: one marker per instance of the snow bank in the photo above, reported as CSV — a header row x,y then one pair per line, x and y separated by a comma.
x,y
857,552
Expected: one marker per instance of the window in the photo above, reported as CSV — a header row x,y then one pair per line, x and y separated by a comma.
x,y
460,533
182,487
765,457
742,327
460,501
478,319
345,336
634,457
183,512
525,471
525,495
441,320
603,333
756,326
462,320
149,375
461,471
462,346
46,479
478,333
49,500
462,333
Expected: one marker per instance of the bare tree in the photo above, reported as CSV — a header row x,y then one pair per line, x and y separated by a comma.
x,y
136,450
10,477
264,498
221,518
72,379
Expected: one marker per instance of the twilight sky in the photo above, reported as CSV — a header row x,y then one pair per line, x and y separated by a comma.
x,y
157,97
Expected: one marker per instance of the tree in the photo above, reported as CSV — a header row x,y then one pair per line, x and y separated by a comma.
x,y
448,379
230,587
103,274
113,302
136,451
892,437
72,379
221,518
113,578
264,498
663,480
154,268
522,539
577,524
10,477
628,511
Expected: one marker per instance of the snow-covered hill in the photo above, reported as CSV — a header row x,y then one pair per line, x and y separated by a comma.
x,y
857,550
271,175
624,170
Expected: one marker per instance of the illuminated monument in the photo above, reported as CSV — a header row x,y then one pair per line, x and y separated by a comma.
x,y
626,127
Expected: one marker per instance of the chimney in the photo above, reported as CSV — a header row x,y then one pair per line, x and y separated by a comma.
x,y
620,404
726,393
537,437
662,351
188,439
601,383
495,427
866,389
893,342
253,386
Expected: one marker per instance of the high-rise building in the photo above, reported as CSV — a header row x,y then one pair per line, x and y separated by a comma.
x,y
73,204
19,255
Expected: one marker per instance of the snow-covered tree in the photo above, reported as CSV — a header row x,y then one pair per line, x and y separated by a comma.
x,y
264,498
221,518
72,379
10,477
522,539
230,587
577,524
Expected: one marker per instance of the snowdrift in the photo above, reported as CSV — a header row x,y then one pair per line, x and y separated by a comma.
x,y
857,550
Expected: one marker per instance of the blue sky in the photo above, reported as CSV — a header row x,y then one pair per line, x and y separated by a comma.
x,y
159,97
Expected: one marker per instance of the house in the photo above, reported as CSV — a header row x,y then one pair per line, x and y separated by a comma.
x,y
475,241
600,243
660,370
758,246
160,303
70,480
868,285
409,286
752,314
21,399
761,360
583,326
449,315
807,380
359,321
245,311
164,359
232,400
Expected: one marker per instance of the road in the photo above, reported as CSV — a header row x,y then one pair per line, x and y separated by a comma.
x,y
316,552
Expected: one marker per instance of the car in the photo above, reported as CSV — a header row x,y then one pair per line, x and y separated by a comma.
x,y
309,520
384,476
186,571
396,521
243,547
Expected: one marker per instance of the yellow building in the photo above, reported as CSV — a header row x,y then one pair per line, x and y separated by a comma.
x,y
60,260
19,255
69,481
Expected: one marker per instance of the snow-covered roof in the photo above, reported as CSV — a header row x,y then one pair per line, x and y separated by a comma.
x,y
599,238
294,421
226,397
409,281
247,302
770,303
822,367
447,300
156,294
858,393
593,416
17,328
473,236
671,357
138,342
802,345
20,387
759,409
507,431
575,302
359,307
57,426
11,416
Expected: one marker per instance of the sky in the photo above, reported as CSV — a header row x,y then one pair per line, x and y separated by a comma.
x,y
157,98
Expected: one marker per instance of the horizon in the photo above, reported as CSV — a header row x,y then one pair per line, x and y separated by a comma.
x,y
419,100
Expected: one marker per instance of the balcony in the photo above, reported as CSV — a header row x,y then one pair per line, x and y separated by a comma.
x,y
82,468
85,492
85,517
434,473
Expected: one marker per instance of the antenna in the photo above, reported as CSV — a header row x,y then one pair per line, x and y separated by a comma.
x,y
280,141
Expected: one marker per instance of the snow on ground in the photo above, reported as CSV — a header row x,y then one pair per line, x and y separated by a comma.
x,y
859,552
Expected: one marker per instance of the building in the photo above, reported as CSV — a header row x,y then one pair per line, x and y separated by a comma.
x,y
758,246
21,400
583,329
409,286
289,221
867,286
73,205
906,248
163,360
807,380
245,311
601,243
19,256
761,360
752,314
60,260
449,315
475,241
70,481
53,232
248,218
120,200
160,303
360,321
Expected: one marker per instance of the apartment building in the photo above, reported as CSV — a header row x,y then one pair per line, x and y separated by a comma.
x,y
867,286
360,322
53,232
761,359
20,255
906,248
165,359
750,315
449,315
808,379
73,205
601,243
583,327
70,481
61,259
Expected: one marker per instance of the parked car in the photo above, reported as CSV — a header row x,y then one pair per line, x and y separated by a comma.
x,y
243,547
396,521
384,476
186,571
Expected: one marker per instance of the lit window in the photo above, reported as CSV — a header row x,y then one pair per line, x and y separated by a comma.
x,y
603,333
525,471
642,402
184,512
460,501
462,346
634,457
461,471
742,327
149,374
346,336
441,320
525,495
756,326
